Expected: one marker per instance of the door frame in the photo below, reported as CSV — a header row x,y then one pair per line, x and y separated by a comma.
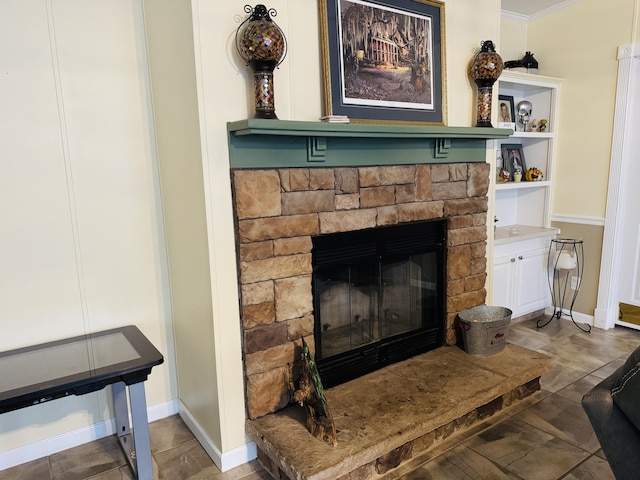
x,y
627,94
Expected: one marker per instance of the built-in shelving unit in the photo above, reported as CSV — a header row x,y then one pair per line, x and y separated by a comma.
x,y
523,233
529,203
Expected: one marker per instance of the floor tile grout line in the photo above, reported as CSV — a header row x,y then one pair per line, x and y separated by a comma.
x,y
579,464
566,441
105,472
154,453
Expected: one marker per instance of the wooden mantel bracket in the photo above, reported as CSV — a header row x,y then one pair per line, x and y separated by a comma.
x,y
443,145
316,149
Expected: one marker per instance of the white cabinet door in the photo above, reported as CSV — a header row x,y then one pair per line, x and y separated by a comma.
x,y
504,270
520,275
531,289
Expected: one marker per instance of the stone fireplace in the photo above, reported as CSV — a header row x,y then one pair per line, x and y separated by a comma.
x,y
279,210
295,183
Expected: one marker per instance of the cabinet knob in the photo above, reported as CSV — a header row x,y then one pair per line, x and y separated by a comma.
x,y
513,259
520,257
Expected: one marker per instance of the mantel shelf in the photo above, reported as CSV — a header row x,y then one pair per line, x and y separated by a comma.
x,y
260,143
257,126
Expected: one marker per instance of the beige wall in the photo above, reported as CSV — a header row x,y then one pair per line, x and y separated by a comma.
x,y
177,126
513,39
579,44
591,235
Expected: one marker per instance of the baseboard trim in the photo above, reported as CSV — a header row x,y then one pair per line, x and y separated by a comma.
x,y
635,326
224,461
577,316
80,436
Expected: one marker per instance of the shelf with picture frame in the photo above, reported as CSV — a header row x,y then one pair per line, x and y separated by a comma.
x,y
540,91
527,202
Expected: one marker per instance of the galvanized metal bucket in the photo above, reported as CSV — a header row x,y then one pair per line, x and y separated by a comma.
x,y
484,329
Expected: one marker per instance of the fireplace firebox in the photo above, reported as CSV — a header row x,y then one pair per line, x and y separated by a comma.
x,y
379,297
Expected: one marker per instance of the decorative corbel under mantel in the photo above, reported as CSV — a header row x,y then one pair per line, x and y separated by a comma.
x,y
259,143
317,151
442,147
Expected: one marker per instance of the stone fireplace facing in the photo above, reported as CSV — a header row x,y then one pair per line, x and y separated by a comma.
x,y
278,212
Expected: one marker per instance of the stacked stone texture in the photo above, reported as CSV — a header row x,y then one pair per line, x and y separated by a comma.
x,y
278,211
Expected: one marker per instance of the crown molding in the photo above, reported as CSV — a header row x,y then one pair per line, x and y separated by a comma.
x,y
516,17
519,17
554,9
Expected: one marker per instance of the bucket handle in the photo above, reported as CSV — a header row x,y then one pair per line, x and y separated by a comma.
x,y
464,325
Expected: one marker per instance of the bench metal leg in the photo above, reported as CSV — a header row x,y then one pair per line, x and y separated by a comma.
x,y
122,411
141,431
138,449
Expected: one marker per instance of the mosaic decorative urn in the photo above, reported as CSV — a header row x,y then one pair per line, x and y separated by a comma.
x,y
263,46
486,67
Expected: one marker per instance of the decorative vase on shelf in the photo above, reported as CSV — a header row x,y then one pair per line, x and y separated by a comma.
x,y
530,63
517,175
486,67
263,46
524,111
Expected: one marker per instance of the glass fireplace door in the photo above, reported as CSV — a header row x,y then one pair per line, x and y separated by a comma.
x,y
349,302
378,301
408,294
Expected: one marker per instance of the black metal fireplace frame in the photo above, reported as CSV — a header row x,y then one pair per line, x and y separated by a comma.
x,y
392,242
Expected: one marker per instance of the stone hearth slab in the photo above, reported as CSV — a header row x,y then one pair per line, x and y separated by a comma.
x,y
388,415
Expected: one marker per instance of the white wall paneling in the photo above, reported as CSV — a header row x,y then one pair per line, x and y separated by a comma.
x,y
81,232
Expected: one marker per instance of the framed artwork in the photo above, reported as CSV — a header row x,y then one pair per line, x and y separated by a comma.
x,y
383,60
506,112
513,158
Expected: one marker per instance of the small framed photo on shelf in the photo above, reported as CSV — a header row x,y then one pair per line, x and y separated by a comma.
x,y
513,159
506,112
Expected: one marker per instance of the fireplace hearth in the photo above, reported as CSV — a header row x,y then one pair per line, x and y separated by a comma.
x,y
378,297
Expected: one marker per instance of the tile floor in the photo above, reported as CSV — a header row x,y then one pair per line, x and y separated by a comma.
x,y
545,437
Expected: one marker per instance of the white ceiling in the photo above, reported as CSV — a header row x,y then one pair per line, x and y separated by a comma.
x,y
529,9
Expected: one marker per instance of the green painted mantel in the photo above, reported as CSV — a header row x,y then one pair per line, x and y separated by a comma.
x,y
260,143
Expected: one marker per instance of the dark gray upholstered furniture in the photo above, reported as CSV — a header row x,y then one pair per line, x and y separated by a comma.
x,y
613,408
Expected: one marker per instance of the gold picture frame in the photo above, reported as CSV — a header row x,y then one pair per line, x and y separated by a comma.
x,y
384,60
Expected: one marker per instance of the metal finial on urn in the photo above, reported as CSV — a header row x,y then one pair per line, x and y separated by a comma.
x,y
262,44
486,67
